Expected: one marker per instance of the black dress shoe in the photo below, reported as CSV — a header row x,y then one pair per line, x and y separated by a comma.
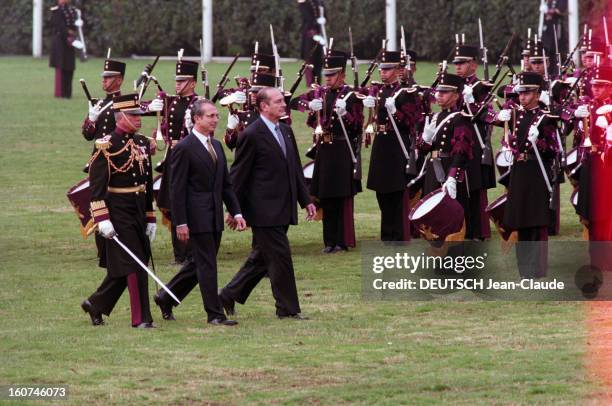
x,y
166,309
339,248
96,318
298,316
145,325
223,322
227,303
328,250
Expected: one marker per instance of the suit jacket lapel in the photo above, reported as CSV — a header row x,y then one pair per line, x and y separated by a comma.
x,y
201,150
271,137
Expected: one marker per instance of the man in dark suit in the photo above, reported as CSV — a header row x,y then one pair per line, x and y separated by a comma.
x,y
269,181
200,186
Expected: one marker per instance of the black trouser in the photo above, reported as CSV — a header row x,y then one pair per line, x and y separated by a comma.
x,y
103,300
333,221
202,270
271,255
100,241
473,216
392,212
532,252
63,83
182,250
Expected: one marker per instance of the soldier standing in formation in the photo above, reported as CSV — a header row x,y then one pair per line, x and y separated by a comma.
x,y
388,175
173,109
335,179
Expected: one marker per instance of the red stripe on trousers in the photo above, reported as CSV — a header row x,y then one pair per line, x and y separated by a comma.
x,y
133,289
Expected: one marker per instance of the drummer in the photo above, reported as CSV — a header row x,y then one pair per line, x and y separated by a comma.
x,y
530,186
449,136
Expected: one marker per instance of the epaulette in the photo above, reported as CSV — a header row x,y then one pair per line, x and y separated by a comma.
x,y
54,8
103,143
376,83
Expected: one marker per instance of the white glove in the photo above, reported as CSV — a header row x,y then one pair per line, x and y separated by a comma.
x,y
545,98
468,95
504,115
78,23
601,122
151,229
390,105
582,111
321,20
77,44
156,105
450,187
340,107
187,120
94,111
543,8
429,131
571,80
315,105
105,227
239,97
533,134
369,102
609,135
232,121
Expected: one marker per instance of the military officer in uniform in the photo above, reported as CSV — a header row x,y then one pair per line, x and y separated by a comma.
x,y
64,21
480,170
173,129
388,174
100,120
121,188
529,198
335,179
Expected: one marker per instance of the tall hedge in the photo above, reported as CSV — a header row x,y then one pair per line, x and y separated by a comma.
x,y
164,26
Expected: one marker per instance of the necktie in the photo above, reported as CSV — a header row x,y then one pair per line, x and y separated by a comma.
x,y
211,150
280,139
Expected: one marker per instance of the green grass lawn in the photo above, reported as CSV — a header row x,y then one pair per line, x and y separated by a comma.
x,y
352,351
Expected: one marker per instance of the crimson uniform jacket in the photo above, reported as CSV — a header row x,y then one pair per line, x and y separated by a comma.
x,y
267,183
200,187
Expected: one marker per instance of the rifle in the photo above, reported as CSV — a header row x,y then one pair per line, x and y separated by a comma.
x,y
503,58
223,82
557,53
279,73
353,61
605,24
204,72
86,90
483,49
372,66
406,56
573,88
490,96
568,61
145,78
300,74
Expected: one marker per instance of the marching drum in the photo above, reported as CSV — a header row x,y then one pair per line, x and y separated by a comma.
x,y
503,161
308,172
437,215
495,210
79,197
